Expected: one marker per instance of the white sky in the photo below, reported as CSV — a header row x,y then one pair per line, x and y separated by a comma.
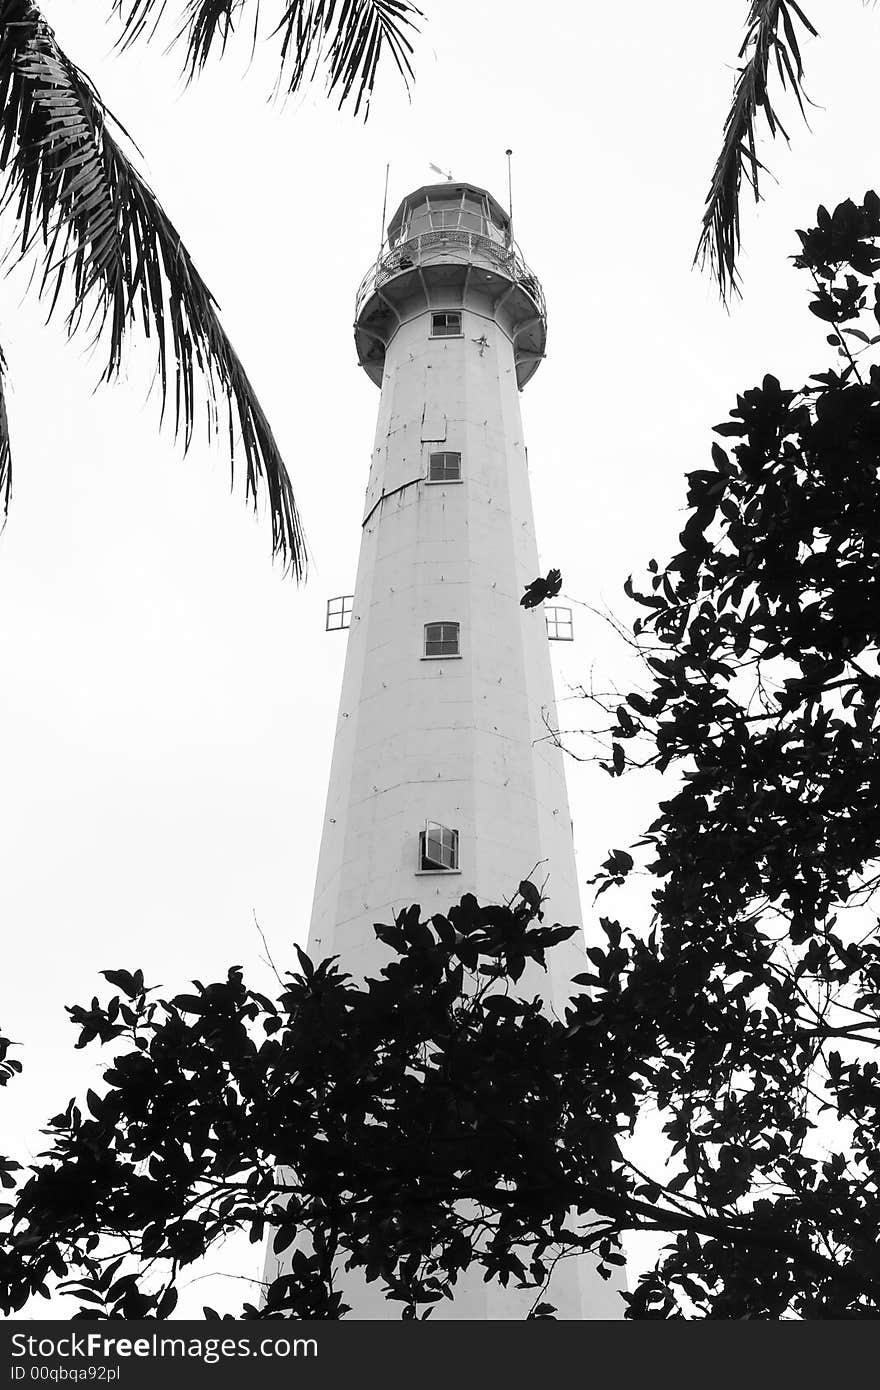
x,y
167,699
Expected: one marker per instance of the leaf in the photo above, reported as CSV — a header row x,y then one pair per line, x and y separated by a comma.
x,y
543,1310
627,724
530,895
639,703
284,1238
124,980
620,862
190,1004
679,1182
305,963
444,929
824,307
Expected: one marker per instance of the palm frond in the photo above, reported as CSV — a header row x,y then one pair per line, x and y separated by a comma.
x,y
347,36
5,449
771,40
101,232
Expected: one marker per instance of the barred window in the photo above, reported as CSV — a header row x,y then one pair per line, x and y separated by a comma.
x,y
559,624
438,847
446,325
444,467
339,612
442,639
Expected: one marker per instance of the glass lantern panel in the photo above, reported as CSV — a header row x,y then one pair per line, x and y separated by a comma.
x,y
421,222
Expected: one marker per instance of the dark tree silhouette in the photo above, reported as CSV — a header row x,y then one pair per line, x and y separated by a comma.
x,y
761,649
436,1118
364,1116
11,1267
89,217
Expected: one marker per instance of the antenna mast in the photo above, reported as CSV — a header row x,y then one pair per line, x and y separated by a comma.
x,y
509,195
384,209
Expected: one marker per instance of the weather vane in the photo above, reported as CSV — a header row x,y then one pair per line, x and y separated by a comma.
x,y
441,171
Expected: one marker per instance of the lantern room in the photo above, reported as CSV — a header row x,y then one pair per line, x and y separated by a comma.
x,y
446,207
450,248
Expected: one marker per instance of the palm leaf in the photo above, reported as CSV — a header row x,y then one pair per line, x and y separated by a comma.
x,y
5,450
347,36
771,40
101,233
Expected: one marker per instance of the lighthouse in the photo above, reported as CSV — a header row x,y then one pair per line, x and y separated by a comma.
x,y
445,778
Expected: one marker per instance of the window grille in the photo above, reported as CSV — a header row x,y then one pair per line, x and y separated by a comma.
x,y
438,847
446,325
559,624
339,612
442,639
444,467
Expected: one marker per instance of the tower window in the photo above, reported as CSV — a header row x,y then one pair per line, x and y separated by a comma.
x,y
446,325
339,612
444,467
442,639
559,624
438,847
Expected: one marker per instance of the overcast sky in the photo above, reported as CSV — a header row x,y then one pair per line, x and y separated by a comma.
x,y
167,697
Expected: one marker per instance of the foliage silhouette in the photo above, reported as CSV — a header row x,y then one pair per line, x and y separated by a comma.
x,y
542,588
437,1118
97,230
761,652
363,1115
348,39
774,31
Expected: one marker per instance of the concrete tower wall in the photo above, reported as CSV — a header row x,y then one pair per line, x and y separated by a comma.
x,y
460,741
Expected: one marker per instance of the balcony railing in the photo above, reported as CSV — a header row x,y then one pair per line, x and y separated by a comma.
x,y
408,254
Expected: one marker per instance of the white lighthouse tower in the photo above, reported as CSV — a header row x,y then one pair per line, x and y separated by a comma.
x,y
444,779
